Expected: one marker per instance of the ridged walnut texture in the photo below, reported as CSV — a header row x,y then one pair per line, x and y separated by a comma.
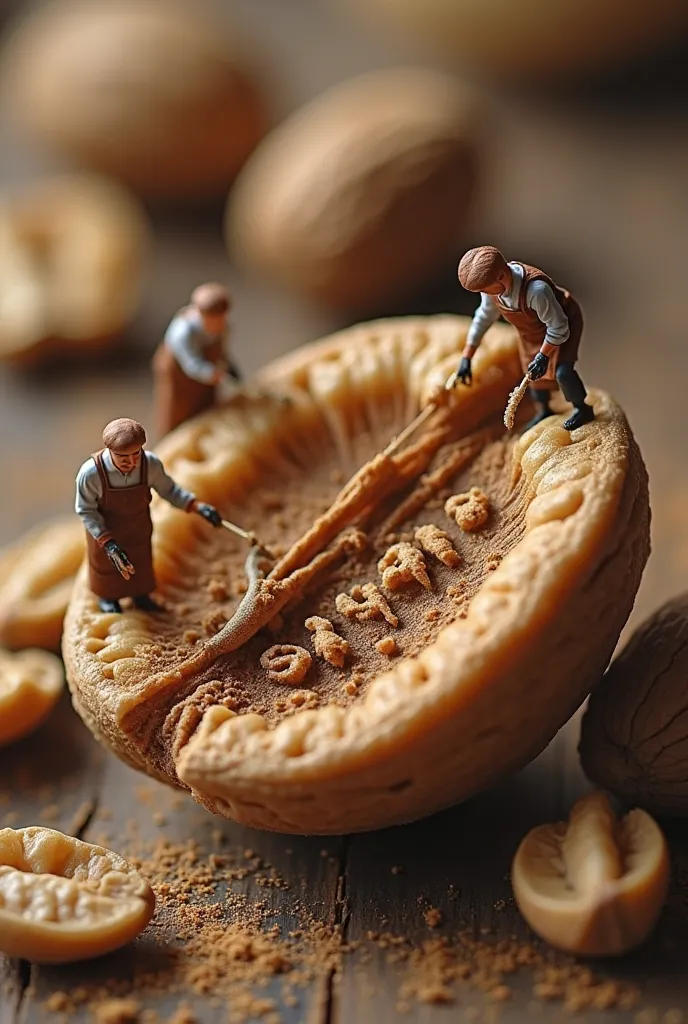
x,y
493,657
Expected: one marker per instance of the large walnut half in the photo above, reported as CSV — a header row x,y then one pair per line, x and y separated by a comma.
x,y
489,660
634,734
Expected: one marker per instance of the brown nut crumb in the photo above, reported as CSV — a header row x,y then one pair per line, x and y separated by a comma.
x,y
286,663
402,564
217,590
118,1011
328,644
433,917
365,603
438,543
388,646
470,510
593,886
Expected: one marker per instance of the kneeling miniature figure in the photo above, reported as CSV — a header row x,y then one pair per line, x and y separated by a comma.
x,y
113,495
549,322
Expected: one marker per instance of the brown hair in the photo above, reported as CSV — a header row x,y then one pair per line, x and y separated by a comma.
x,y
479,268
210,298
122,433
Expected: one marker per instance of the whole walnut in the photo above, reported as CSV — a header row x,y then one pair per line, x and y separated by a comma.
x,y
152,93
535,40
362,194
634,735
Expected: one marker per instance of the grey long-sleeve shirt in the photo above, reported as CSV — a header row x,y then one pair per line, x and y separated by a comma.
x,y
539,297
89,489
186,338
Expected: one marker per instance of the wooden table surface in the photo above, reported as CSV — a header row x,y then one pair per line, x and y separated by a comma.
x,y
593,189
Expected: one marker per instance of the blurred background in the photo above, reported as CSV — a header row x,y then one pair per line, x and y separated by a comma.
x,y
330,161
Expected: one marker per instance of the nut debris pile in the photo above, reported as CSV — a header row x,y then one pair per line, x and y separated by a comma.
x,y
211,943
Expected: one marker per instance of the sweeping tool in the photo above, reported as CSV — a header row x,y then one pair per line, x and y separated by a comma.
x,y
514,401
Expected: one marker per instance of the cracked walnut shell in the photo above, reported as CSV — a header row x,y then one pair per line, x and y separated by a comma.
x,y
634,734
36,578
593,886
62,899
31,682
479,686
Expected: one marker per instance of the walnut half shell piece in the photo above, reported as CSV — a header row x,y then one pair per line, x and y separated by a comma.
x,y
634,734
62,899
36,579
30,685
593,886
480,685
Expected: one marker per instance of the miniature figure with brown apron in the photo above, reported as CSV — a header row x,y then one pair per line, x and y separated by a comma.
x,y
126,513
179,397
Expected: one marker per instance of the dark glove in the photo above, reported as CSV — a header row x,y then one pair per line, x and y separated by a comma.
x,y
208,512
234,371
119,559
538,367
464,372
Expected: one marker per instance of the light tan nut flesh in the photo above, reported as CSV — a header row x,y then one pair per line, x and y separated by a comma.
x,y
593,886
36,579
403,564
438,543
71,257
470,510
364,603
634,734
328,644
63,900
286,663
31,682
388,646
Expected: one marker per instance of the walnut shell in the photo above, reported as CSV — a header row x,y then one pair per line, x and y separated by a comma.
x,y
72,249
492,659
154,94
634,734
541,41
362,193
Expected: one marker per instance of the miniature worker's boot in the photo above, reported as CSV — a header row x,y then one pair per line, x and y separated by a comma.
x,y
109,607
146,603
575,393
541,399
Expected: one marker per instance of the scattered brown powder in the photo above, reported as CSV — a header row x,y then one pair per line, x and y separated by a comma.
x,y
217,590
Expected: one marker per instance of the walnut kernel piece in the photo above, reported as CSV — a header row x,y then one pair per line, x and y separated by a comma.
x,y
286,663
402,564
388,646
438,543
63,900
71,258
36,579
364,603
593,886
328,644
634,734
31,682
470,510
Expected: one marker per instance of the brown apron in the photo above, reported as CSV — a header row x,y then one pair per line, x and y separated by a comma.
x,y
531,329
178,397
127,517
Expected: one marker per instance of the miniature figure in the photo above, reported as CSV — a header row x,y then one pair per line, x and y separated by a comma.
x,y
113,493
192,359
549,322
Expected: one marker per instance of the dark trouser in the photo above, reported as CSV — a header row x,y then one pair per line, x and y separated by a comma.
x,y
571,385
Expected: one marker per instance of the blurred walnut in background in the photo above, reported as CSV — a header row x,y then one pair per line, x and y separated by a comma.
x,y
363,193
536,40
155,94
72,249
